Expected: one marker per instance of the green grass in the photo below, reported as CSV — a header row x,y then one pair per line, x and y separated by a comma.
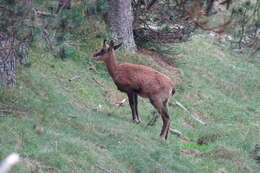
x,y
81,130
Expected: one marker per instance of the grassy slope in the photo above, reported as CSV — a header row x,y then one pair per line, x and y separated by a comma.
x,y
82,131
224,89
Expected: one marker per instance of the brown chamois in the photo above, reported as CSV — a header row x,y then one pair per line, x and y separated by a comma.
x,y
135,80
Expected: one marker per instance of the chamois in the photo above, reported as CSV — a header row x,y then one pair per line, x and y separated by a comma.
x,y
135,80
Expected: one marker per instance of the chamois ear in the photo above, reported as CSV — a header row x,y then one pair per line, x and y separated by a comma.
x,y
111,44
117,46
105,43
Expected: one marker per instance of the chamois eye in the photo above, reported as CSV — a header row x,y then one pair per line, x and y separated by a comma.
x,y
103,51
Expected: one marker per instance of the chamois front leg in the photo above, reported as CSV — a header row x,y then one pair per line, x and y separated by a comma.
x,y
131,99
136,109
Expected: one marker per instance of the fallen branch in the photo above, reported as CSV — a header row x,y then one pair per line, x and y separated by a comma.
x,y
102,168
97,82
121,103
74,78
39,13
179,134
93,68
192,115
153,119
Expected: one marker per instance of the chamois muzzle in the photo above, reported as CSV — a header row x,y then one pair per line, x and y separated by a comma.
x,y
106,49
96,56
99,54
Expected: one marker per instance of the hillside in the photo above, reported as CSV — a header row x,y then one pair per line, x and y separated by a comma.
x,y
58,125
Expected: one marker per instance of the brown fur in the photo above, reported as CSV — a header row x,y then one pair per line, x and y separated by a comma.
x,y
139,80
144,80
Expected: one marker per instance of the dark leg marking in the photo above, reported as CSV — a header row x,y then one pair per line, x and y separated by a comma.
x,y
131,102
163,110
167,117
133,105
136,105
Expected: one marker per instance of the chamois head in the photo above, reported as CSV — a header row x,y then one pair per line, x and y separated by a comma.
x,y
104,53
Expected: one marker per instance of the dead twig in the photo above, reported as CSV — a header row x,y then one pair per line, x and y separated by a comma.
x,y
121,103
74,78
153,119
103,169
192,115
100,84
93,68
39,13
179,134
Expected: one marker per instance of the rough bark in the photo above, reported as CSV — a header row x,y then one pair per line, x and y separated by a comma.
x,y
27,3
7,62
120,22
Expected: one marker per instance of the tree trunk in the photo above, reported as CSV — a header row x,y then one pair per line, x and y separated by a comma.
x,y
28,3
7,62
120,22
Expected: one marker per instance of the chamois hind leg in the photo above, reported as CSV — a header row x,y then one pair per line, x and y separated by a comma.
x,y
132,106
136,104
165,108
162,108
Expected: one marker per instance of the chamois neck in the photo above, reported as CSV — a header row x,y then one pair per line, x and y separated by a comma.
x,y
111,64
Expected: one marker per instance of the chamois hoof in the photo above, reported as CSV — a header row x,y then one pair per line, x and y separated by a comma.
x,y
137,121
162,138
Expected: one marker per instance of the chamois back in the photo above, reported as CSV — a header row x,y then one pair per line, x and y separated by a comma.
x,y
144,80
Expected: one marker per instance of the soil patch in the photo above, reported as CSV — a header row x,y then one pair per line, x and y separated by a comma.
x,y
161,62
